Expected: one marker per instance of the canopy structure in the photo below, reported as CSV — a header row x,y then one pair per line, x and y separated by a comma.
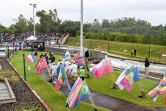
x,y
31,38
38,44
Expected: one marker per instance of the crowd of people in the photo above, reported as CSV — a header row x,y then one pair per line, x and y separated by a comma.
x,y
70,67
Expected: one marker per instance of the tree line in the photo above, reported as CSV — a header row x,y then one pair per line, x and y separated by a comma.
x,y
121,29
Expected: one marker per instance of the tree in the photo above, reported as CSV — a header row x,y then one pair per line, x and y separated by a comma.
x,y
47,20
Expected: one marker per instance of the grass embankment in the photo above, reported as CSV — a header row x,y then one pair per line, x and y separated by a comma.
x,y
104,84
54,98
142,50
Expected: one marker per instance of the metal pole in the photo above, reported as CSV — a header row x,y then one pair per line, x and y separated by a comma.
x,y
149,51
81,30
24,67
108,46
90,44
8,51
34,20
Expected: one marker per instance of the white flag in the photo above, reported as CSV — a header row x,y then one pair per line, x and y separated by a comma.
x,y
67,56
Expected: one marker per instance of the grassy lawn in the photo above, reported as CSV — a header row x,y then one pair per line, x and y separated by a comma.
x,y
54,98
119,47
106,83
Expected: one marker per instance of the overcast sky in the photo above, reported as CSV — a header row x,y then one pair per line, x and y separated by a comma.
x,y
153,11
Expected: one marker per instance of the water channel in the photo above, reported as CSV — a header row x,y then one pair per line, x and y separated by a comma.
x,y
120,63
4,94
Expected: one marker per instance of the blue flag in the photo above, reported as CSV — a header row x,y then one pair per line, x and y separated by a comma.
x,y
136,74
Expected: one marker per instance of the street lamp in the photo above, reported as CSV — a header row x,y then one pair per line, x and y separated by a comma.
x,y
81,30
34,6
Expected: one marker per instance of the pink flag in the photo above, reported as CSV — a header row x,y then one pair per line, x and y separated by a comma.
x,y
41,65
126,84
104,69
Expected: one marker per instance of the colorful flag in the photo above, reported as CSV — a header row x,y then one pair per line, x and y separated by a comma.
x,y
127,77
61,77
158,89
31,58
41,65
136,74
79,92
79,60
118,81
101,69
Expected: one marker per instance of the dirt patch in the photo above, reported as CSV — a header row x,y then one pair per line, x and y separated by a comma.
x,y
25,100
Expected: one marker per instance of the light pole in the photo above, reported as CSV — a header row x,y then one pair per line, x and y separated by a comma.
x,y
16,37
34,6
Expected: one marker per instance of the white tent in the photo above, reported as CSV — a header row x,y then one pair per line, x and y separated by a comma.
x,y
31,38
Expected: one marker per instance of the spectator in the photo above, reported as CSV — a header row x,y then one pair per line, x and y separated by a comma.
x,y
87,54
147,63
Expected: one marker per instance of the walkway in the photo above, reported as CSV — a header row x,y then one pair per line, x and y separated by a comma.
x,y
109,102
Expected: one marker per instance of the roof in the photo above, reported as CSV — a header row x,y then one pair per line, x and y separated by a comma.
x,y
39,40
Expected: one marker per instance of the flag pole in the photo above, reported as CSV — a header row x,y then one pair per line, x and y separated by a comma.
x,y
24,67
49,71
68,85
113,78
91,100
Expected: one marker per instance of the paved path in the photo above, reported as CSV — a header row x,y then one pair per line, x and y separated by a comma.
x,y
109,102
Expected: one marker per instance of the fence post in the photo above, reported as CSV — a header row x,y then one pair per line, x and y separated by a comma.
x,y
108,46
24,67
90,44
149,51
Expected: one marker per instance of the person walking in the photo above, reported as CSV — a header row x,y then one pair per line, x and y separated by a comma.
x,y
54,69
147,63
74,72
82,72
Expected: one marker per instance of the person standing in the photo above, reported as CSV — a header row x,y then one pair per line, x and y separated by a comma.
x,y
147,63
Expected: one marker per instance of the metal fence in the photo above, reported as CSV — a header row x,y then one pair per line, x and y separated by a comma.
x,y
92,54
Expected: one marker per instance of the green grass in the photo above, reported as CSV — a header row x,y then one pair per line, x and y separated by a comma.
x,y
119,47
104,84
54,98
